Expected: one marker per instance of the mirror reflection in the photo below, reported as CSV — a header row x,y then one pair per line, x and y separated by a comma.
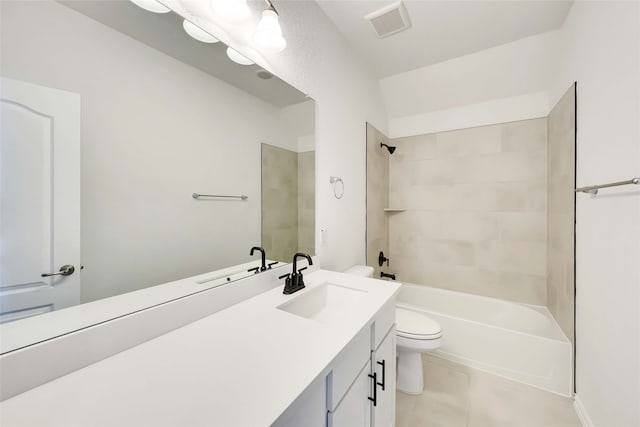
x,y
112,118
288,199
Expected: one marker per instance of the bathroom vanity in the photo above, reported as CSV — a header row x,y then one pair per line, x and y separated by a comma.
x,y
322,356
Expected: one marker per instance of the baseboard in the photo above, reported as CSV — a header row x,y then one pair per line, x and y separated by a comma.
x,y
582,413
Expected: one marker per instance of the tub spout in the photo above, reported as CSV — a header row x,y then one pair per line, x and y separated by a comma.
x,y
388,275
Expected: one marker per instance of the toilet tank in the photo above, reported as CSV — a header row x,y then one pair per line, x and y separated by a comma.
x,y
360,270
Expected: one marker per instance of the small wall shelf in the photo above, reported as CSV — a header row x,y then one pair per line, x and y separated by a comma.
x,y
393,210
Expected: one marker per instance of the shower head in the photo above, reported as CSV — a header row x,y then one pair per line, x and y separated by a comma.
x,y
389,147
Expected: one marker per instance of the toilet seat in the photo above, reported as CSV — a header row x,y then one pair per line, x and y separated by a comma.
x,y
417,326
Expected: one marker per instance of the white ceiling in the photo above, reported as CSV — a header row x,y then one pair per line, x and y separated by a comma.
x,y
442,30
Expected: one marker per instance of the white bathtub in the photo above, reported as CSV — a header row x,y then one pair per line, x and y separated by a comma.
x,y
520,342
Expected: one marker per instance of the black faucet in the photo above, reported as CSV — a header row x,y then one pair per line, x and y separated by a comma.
x,y
294,281
388,275
264,259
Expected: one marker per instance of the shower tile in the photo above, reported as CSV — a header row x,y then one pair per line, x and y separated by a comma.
x,y
470,142
526,135
475,203
502,167
525,288
399,174
519,257
415,148
469,226
560,220
435,197
454,252
431,171
422,224
523,226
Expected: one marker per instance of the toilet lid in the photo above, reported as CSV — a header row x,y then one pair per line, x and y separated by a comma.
x,y
411,324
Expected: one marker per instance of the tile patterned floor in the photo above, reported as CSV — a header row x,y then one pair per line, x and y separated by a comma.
x,y
459,396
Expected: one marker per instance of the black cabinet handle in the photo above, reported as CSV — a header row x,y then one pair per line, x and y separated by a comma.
x,y
383,373
374,399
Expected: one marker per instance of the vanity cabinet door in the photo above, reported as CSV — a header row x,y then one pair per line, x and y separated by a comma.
x,y
354,409
383,363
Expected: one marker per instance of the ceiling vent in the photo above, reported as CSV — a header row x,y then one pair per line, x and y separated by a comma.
x,y
389,20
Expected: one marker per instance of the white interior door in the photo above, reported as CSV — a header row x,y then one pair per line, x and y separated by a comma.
x,y
39,199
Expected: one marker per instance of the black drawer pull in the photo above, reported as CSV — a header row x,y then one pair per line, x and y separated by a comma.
x,y
374,399
383,373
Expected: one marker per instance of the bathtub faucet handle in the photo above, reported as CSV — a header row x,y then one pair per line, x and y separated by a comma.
x,y
382,259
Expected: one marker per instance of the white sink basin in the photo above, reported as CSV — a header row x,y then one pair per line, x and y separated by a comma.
x,y
324,302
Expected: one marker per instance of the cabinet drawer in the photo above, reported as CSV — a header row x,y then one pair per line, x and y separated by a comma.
x,y
384,321
347,366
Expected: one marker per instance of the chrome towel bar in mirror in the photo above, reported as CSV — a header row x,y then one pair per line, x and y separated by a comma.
x,y
198,196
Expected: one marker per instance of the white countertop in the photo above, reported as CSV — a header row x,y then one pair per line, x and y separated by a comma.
x,y
34,329
241,366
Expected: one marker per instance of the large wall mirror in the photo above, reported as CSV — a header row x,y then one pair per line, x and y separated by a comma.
x,y
112,118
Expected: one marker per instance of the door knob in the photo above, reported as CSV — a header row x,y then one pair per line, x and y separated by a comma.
x,y
65,270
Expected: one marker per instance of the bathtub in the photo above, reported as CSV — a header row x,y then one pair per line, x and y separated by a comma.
x,y
516,341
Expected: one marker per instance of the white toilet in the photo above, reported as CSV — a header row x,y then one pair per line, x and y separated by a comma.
x,y
415,334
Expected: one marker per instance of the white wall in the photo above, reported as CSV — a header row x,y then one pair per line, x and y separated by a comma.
x,y
502,84
151,136
599,47
319,62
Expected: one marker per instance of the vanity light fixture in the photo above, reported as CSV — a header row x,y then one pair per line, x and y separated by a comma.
x,y
237,57
231,10
198,33
151,5
268,34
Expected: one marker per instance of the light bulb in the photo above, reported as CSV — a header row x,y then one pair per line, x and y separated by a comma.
x,y
151,5
198,33
231,10
268,35
237,57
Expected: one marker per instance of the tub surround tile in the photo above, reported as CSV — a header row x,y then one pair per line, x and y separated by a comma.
x,y
470,141
560,216
524,136
458,396
469,226
476,210
288,202
377,197
417,148
524,226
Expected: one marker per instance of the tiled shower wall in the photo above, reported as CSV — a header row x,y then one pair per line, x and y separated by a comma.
x,y
307,202
560,212
475,218
279,202
288,202
377,198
